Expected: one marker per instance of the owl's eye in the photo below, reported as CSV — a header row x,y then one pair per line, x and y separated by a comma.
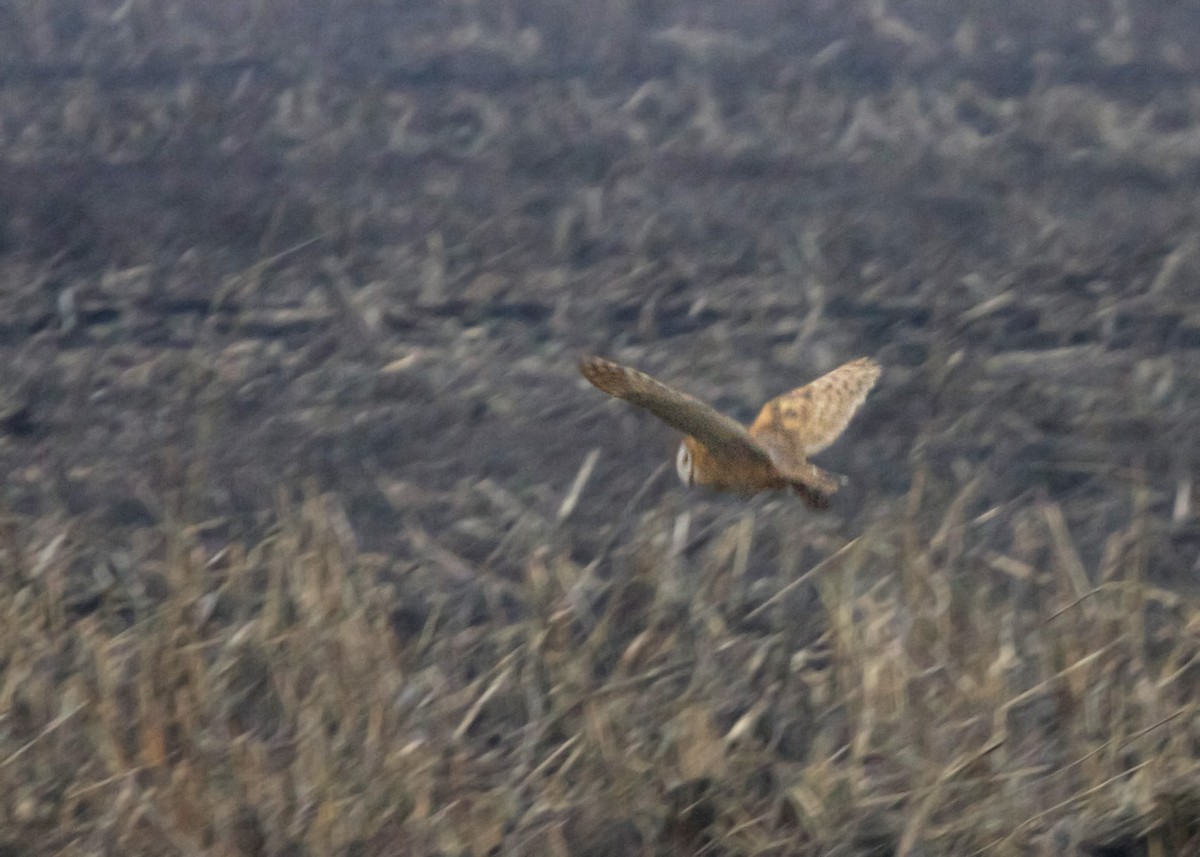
x,y
683,464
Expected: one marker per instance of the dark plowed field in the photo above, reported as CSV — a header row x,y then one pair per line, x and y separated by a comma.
x,y
291,303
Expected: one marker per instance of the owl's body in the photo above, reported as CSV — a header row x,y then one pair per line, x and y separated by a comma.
x,y
770,455
743,474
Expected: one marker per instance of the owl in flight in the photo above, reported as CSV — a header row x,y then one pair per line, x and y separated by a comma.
x,y
772,454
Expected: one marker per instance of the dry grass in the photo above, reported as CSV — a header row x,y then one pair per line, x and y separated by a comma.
x,y
359,242
296,696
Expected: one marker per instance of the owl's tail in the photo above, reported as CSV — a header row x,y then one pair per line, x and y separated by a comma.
x,y
814,497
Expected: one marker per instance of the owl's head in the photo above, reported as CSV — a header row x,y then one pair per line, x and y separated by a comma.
x,y
683,464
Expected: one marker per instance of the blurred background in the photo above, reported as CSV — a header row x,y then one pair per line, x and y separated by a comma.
x,y
243,245
252,252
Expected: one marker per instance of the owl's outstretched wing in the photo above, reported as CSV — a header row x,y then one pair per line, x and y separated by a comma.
x,y
808,419
677,409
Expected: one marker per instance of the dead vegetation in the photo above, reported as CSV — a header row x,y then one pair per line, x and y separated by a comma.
x,y
314,543
300,696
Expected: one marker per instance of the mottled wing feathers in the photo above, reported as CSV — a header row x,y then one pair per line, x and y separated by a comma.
x,y
808,419
773,452
677,409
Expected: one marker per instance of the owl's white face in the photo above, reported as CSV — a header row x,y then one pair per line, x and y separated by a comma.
x,y
683,464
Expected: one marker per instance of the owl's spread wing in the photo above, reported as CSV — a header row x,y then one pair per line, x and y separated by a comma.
x,y
808,419
677,409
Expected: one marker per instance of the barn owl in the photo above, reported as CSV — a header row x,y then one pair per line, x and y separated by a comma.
x,y
772,454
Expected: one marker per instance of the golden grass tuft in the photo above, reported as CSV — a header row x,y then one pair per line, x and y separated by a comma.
x,y
911,695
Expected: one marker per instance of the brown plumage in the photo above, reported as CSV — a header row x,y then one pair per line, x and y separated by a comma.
x,y
770,455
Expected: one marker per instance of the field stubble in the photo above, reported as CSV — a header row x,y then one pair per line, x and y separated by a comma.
x,y
299,696
359,246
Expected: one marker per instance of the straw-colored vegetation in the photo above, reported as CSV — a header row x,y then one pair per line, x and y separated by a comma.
x,y
314,542
904,696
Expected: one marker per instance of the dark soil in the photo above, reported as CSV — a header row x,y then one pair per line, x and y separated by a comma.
x,y
366,244
255,251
